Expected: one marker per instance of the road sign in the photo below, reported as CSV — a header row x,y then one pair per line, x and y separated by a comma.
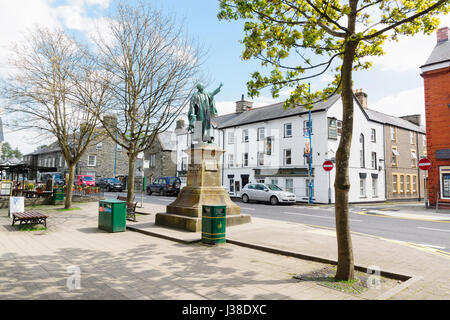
x,y
424,164
327,165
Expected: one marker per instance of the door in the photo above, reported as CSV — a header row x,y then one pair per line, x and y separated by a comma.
x,y
259,192
244,179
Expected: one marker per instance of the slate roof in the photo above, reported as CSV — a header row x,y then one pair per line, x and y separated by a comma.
x,y
167,143
52,148
394,121
440,53
274,111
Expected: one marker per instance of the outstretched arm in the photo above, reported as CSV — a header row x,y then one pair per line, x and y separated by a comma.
x,y
217,90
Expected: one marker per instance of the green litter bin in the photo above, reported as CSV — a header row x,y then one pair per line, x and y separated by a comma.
x,y
213,224
58,194
112,215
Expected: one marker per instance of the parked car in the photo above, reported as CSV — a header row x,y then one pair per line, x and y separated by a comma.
x,y
109,184
85,180
267,193
165,186
58,178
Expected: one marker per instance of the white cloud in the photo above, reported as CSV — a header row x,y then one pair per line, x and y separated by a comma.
x,y
409,53
403,103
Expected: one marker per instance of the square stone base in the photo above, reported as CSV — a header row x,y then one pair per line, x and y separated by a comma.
x,y
194,224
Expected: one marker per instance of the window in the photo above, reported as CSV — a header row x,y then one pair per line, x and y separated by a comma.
x,y
99,146
184,162
237,186
411,137
408,184
274,181
61,159
393,134
287,157
339,127
424,140
402,184
231,187
230,137
306,127
152,160
395,154
261,134
92,161
413,158
287,130
374,160
290,185
361,151
373,135
260,158
119,147
230,160
332,129
394,183
362,188
374,187
245,135
245,160
444,173
269,143
414,182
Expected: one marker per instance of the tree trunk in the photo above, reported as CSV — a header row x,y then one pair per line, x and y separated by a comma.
x,y
131,176
69,184
345,268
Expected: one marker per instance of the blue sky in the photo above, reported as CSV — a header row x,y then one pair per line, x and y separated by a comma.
x,y
393,84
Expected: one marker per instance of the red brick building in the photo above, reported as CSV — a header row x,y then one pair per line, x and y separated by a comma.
x,y
436,75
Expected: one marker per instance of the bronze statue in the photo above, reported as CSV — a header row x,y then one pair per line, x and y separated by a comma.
x,y
202,108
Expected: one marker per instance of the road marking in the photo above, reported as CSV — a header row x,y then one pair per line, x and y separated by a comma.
x,y
430,245
312,215
167,200
246,208
433,229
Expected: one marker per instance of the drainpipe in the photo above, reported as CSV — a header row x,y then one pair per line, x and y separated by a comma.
x,y
418,169
223,154
385,162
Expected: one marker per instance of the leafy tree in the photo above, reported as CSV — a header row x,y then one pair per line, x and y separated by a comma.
x,y
341,36
8,152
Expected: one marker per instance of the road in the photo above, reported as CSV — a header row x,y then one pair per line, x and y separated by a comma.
x,y
431,234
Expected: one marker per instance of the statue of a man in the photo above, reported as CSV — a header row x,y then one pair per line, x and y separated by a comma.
x,y
201,108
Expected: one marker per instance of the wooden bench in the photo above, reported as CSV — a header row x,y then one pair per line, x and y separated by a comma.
x,y
131,208
29,218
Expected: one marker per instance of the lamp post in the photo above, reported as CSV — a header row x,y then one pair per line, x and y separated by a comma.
x,y
310,153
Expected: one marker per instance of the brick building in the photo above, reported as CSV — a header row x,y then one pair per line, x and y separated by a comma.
x,y
436,75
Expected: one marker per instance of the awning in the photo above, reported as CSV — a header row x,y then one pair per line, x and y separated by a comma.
x,y
395,152
413,154
362,175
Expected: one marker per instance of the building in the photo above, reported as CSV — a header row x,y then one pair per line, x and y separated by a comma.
x,y
161,157
269,144
436,76
103,159
404,145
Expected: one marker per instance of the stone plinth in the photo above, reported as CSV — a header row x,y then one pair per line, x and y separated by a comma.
x,y
203,187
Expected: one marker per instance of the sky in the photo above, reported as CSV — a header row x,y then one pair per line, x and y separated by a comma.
x,y
393,84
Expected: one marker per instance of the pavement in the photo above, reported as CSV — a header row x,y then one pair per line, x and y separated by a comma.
x,y
257,262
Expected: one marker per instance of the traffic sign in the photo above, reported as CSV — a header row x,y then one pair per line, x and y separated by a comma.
x,y
424,164
327,165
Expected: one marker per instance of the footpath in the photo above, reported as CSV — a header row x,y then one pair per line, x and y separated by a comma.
x,y
259,261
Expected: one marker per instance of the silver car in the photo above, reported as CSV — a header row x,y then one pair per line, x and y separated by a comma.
x,y
266,192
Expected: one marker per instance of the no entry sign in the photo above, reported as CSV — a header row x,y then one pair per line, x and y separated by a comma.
x,y
327,165
424,164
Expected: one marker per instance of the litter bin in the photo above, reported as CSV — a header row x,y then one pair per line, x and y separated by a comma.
x,y
213,224
112,215
58,194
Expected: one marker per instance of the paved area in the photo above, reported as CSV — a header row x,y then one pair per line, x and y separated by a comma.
x,y
131,265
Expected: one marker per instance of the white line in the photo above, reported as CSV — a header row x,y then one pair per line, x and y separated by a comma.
x,y
245,208
168,200
434,229
431,246
311,215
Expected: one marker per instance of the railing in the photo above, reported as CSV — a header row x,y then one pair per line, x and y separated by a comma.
x,y
88,193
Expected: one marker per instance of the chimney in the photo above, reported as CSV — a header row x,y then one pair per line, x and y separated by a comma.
x,y
180,124
442,34
110,121
243,105
362,98
414,118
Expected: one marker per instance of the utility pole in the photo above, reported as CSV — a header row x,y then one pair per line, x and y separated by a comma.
x,y
115,156
309,156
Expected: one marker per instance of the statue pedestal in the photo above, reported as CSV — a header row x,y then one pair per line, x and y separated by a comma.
x,y
203,187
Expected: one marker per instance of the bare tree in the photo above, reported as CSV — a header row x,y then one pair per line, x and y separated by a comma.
x,y
55,89
153,65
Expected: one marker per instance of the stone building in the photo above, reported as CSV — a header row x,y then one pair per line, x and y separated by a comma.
x,y
162,157
436,76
